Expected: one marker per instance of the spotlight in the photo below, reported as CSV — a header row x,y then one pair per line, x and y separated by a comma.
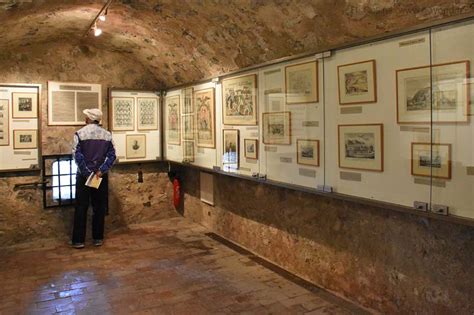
x,y
103,15
97,31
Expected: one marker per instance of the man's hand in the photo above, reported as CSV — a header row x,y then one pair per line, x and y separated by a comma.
x,y
98,174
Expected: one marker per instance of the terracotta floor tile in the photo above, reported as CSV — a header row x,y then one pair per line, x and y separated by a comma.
x,y
163,267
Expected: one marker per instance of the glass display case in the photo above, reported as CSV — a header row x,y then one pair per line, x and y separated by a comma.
x,y
388,121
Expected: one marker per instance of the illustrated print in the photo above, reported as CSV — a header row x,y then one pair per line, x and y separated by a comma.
x,y
123,113
231,148
188,101
300,82
359,145
204,118
239,101
277,128
204,107
356,83
147,112
25,104
26,138
135,146
251,148
307,151
173,120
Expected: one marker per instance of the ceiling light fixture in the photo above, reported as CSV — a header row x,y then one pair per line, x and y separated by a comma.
x,y
97,31
101,16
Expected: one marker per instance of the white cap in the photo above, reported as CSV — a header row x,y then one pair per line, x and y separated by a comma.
x,y
93,114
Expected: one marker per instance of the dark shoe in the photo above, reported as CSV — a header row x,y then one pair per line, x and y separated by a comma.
x,y
98,242
77,245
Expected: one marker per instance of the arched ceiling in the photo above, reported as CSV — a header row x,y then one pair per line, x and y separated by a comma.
x,y
181,41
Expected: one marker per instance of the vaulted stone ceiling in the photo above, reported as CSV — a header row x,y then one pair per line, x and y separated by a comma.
x,y
181,41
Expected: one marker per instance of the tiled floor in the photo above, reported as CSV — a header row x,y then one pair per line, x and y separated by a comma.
x,y
165,267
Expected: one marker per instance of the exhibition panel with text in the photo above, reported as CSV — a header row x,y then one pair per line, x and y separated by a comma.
x,y
387,121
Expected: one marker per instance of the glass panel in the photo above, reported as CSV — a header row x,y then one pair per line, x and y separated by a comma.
x,y
376,109
452,150
239,102
292,122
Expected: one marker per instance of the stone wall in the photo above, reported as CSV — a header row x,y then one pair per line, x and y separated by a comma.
x,y
22,217
388,261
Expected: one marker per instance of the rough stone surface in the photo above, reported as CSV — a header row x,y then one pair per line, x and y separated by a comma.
x,y
22,217
187,40
392,262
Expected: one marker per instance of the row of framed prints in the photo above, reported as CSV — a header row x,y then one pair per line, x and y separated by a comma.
x,y
360,147
123,113
239,94
307,149
24,106
198,120
22,138
444,83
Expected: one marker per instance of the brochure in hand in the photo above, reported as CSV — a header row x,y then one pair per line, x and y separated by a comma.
x,y
93,181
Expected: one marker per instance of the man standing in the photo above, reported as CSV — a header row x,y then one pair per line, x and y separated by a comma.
x,y
94,152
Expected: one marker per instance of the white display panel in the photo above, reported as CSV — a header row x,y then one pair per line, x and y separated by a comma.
x,y
12,159
149,137
280,162
394,184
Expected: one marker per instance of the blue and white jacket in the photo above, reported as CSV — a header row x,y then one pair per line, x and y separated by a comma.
x,y
93,149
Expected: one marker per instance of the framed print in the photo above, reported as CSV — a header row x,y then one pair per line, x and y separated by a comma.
x,y
25,139
436,93
188,107
123,114
230,146
188,151
251,149
4,123
67,101
431,160
361,147
357,83
301,83
173,120
147,112
277,128
135,146
205,118
307,152
239,100
25,105
188,127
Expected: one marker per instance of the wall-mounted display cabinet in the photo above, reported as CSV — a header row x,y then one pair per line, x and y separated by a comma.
x,y
135,124
388,121
20,112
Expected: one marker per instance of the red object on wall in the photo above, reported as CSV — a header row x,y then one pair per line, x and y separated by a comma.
x,y
176,193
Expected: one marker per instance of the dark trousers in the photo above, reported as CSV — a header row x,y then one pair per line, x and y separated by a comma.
x,y
98,199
